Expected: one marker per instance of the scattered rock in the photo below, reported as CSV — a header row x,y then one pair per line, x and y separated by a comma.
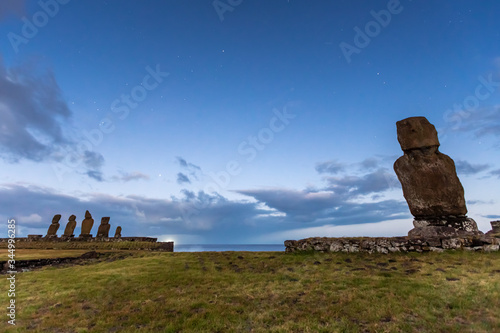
x,y
402,244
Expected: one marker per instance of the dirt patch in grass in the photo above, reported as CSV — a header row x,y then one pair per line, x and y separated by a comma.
x,y
85,258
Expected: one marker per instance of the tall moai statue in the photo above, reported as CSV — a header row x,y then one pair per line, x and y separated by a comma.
x,y
103,230
54,226
87,225
430,183
70,227
118,232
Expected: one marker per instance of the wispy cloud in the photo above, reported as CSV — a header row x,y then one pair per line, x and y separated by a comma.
x,y
130,176
96,175
327,207
343,200
466,168
183,163
192,171
481,122
182,179
370,163
31,109
33,117
330,167
495,173
377,181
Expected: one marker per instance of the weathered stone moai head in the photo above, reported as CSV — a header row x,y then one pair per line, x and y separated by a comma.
x,y
118,232
429,179
70,227
416,133
103,230
87,225
56,219
54,226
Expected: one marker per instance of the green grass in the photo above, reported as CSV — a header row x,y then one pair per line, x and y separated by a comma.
x,y
265,292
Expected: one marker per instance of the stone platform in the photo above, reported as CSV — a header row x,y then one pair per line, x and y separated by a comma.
x,y
37,241
40,238
393,244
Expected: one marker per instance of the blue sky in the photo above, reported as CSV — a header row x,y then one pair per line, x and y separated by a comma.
x,y
240,121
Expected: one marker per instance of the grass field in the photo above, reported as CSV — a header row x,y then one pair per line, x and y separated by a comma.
x,y
264,292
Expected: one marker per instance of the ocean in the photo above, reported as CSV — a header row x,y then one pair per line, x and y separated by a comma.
x,y
228,247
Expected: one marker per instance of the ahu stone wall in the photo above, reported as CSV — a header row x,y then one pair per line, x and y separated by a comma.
x,y
392,244
40,238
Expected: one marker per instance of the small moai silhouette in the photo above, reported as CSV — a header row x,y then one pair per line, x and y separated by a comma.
x,y
87,225
54,226
118,232
70,227
103,230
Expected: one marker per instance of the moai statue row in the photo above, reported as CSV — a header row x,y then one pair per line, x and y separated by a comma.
x,y
68,231
87,224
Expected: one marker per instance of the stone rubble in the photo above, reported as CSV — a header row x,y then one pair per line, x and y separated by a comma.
x,y
392,244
